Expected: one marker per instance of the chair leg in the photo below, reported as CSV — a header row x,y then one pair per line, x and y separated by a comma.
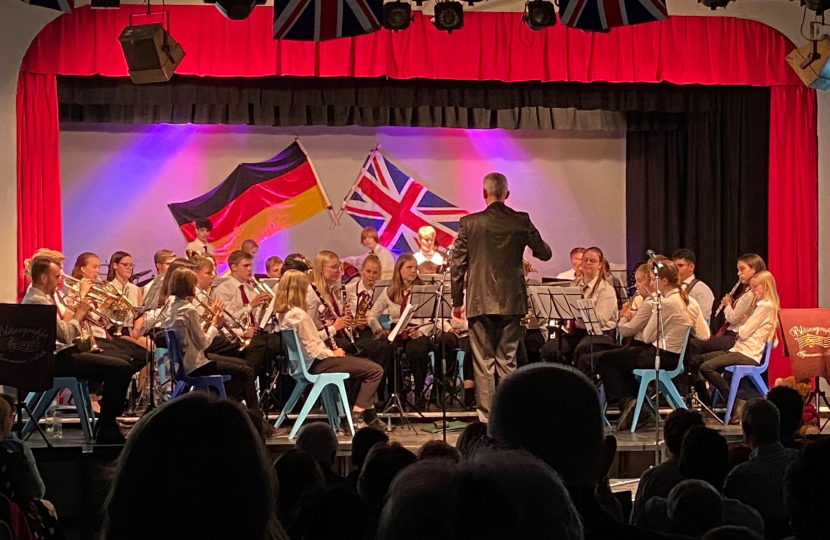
x,y
759,383
40,409
730,401
329,396
220,387
345,401
309,403
641,396
177,390
671,393
289,406
81,409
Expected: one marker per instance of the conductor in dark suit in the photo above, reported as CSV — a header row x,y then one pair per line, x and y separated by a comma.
x,y
489,251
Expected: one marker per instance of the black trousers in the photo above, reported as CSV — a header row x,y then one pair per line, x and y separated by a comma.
x,y
365,373
224,347
709,366
714,343
124,348
533,343
114,372
262,351
615,368
569,347
241,386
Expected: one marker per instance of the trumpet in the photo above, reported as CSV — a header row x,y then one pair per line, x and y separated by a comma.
x,y
262,288
527,267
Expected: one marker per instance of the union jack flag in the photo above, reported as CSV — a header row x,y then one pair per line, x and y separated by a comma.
x,y
601,15
58,5
321,20
397,206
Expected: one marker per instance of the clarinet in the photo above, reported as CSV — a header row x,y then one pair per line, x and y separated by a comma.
x,y
735,288
348,330
326,313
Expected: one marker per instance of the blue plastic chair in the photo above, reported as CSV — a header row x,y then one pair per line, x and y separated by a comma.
x,y
753,373
646,376
39,402
328,386
184,382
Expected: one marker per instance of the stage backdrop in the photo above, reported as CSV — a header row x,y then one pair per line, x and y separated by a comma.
x,y
116,181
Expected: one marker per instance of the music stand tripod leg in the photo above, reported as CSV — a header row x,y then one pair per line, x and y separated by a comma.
x,y
394,401
21,406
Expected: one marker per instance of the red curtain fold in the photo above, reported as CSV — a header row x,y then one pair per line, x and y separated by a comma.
x,y
490,46
793,203
38,168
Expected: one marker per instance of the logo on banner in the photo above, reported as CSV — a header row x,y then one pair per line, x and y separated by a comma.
x,y
812,341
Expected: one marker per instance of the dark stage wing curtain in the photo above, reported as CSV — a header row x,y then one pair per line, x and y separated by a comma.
x,y
701,182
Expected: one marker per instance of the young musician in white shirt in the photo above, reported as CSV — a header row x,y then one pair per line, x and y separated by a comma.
x,y
685,260
428,250
392,301
225,343
369,238
183,317
331,314
736,308
291,311
162,260
594,287
576,265
245,305
615,367
200,246
756,331
118,277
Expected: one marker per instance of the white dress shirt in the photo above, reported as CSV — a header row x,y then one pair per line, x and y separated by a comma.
x,y
387,261
67,332
701,325
311,342
186,321
433,256
756,331
228,292
354,290
642,314
702,294
676,320
384,305
743,307
569,274
200,247
316,309
605,302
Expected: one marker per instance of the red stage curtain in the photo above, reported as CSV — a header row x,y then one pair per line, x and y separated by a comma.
x,y
490,46
38,167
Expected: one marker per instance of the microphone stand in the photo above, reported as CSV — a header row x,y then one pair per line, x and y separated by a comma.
x,y
660,343
438,315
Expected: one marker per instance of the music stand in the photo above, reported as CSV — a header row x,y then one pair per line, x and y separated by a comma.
x,y
27,353
588,315
394,402
559,303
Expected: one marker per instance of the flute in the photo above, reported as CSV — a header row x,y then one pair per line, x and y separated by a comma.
x,y
735,288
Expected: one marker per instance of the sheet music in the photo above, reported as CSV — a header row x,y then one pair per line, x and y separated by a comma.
x,y
588,314
406,314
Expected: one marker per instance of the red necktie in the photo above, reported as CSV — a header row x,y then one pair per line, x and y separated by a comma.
x,y
244,296
404,301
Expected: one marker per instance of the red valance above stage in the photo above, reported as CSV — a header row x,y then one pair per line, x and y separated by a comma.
x,y
490,46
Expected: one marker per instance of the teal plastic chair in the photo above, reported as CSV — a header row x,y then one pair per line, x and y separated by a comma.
x,y
39,402
327,386
646,376
753,373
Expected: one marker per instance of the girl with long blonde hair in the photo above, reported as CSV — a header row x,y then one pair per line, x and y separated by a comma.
x,y
753,337
290,307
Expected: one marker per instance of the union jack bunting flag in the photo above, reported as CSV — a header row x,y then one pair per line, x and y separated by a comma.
x,y
602,15
397,206
321,20
58,5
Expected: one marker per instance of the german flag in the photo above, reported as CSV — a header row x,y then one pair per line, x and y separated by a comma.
x,y
256,201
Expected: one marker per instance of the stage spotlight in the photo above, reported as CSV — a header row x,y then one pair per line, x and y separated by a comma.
x,y
105,4
236,10
397,15
539,14
819,6
714,4
449,16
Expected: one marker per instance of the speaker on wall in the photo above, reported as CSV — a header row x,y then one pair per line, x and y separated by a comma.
x,y
151,54
810,62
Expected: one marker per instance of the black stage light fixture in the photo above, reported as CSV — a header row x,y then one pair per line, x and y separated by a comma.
x,y
539,14
235,10
714,4
448,16
819,6
105,4
397,15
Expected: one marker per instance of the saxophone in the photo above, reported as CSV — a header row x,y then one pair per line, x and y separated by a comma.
x,y
364,304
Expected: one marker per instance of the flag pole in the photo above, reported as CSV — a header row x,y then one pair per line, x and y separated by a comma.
x,y
357,180
334,217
